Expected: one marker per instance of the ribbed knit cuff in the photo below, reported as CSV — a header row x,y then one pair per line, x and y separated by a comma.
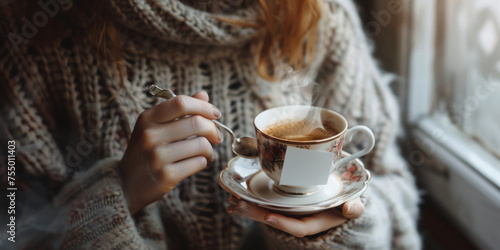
x,y
98,216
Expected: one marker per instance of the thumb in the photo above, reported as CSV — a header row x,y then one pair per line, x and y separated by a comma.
x,y
353,209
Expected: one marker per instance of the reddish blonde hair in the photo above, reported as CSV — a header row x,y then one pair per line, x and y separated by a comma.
x,y
290,28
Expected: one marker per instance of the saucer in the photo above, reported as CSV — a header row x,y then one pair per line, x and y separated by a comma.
x,y
245,179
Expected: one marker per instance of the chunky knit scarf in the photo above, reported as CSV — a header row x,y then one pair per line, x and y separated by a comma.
x,y
71,119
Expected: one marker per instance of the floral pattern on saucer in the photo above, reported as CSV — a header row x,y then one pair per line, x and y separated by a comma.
x,y
350,172
239,173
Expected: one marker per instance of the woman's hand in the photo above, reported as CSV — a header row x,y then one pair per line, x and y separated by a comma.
x,y
308,225
159,154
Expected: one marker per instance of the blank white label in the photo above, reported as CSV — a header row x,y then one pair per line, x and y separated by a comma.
x,y
304,167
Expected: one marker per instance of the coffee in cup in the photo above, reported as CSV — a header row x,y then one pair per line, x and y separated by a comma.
x,y
300,130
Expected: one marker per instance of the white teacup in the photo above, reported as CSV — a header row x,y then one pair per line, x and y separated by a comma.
x,y
272,149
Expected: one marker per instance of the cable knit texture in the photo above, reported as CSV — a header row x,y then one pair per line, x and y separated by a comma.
x,y
71,119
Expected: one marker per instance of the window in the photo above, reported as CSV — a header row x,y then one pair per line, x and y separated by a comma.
x,y
447,53
469,70
460,45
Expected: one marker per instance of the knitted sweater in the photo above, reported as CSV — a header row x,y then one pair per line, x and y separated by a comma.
x,y
71,119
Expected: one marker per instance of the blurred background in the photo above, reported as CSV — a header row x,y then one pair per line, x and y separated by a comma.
x,y
446,57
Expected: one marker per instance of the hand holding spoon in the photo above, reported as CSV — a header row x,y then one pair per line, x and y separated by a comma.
x,y
241,146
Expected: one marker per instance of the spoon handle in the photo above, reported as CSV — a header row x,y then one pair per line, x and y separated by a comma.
x,y
169,94
159,92
220,125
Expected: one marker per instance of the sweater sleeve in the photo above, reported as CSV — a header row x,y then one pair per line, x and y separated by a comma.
x,y
357,89
56,208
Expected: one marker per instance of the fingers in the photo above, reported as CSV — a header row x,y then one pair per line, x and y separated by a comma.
x,y
176,172
353,209
298,227
246,209
309,225
181,106
181,150
163,134
194,125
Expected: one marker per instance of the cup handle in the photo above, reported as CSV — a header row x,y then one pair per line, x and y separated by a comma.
x,y
348,137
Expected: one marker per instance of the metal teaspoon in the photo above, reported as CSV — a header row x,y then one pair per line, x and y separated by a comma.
x,y
242,146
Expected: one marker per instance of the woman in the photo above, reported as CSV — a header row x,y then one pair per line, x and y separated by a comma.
x,y
101,164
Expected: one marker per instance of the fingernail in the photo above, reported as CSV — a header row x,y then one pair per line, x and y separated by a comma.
x,y
216,112
272,222
351,210
233,211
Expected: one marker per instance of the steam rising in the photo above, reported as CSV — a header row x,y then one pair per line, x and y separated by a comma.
x,y
299,88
